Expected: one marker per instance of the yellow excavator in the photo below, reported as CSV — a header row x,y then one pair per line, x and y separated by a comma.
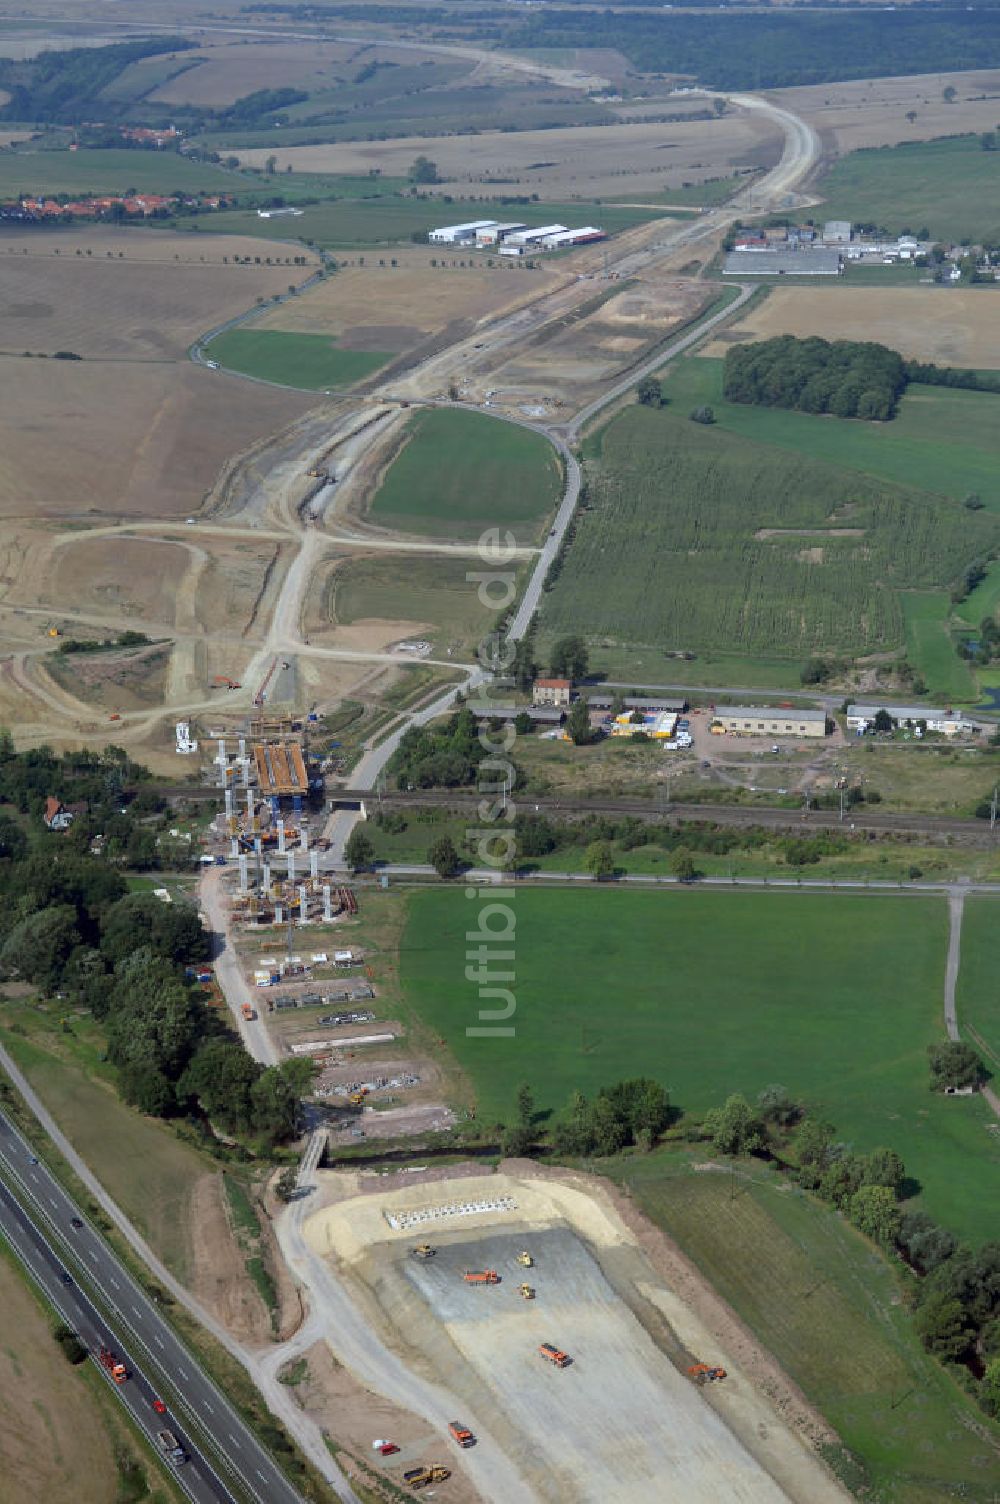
x,y
527,1292
525,1260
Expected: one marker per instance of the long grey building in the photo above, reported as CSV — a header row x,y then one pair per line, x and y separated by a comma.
x,y
782,263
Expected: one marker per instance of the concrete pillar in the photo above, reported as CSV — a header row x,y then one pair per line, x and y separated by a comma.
x,y
250,803
230,809
243,746
303,907
279,913
304,835
246,772
234,848
243,874
257,847
266,884
281,837
291,866
327,915
314,865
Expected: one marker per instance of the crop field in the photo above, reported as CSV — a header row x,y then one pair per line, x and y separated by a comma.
x,y
948,187
952,326
700,540
430,594
930,648
27,170
461,472
223,72
983,601
977,1002
943,439
309,361
835,997
585,162
94,301
371,305
808,1287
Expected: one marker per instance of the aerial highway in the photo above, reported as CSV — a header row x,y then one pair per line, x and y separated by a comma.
x,y
147,1342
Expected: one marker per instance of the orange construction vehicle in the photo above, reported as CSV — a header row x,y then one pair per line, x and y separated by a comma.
x,y
116,1368
461,1434
481,1277
221,681
249,1011
704,1373
553,1354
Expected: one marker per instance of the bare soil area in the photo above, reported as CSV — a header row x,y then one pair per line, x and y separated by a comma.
x,y
582,162
872,112
117,681
129,440
334,1399
630,1325
218,1272
952,326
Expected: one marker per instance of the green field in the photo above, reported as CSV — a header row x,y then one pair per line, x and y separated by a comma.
x,y
983,601
836,997
812,1292
716,542
943,439
977,996
950,187
930,648
110,171
371,222
462,472
310,361
434,592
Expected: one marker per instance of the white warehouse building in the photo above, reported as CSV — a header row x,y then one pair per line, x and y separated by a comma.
x,y
536,236
947,722
460,234
493,234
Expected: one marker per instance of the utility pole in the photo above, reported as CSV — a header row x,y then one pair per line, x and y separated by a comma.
x,y
993,810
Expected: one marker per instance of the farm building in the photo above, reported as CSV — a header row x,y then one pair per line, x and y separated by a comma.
x,y
660,725
765,720
536,236
947,722
539,715
494,234
551,691
564,238
837,231
460,234
783,263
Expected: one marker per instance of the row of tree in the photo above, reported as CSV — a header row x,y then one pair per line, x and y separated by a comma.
x,y
847,378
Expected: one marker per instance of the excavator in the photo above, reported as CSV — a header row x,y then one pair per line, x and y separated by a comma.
x,y
423,1251
525,1260
704,1373
526,1292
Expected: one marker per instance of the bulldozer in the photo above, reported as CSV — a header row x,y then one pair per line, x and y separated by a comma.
x,y
705,1373
526,1292
419,1477
423,1251
525,1260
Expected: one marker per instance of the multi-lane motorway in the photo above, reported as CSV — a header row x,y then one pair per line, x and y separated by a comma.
x,y
38,1222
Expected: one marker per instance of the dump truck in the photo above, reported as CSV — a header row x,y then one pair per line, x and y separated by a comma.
x,y
419,1477
553,1354
172,1447
422,1251
526,1292
461,1434
116,1368
481,1277
705,1373
525,1260
249,1011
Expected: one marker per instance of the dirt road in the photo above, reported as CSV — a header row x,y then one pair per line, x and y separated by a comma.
x,y
229,973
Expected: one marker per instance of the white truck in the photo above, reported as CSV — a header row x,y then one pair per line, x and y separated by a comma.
x,y
172,1447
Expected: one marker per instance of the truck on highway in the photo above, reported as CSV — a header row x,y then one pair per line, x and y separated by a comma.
x,y
172,1447
116,1368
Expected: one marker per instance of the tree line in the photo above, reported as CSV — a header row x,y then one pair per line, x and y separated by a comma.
x,y
846,378
70,926
64,87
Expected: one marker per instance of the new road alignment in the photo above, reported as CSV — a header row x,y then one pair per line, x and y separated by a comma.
x,y
267,1483
33,1248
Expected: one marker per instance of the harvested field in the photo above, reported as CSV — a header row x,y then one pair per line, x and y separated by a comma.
x,y
600,1299
951,326
872,112
110,448
228,71
143,295
112,681
395,308
584,162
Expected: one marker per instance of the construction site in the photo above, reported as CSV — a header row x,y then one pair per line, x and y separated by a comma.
x,y
528,1305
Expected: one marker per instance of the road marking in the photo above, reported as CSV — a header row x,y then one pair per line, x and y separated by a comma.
x,y
92,1256
136,1310
114,1281
232,1438
157,1340
260,1475
208,1407
182,1373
